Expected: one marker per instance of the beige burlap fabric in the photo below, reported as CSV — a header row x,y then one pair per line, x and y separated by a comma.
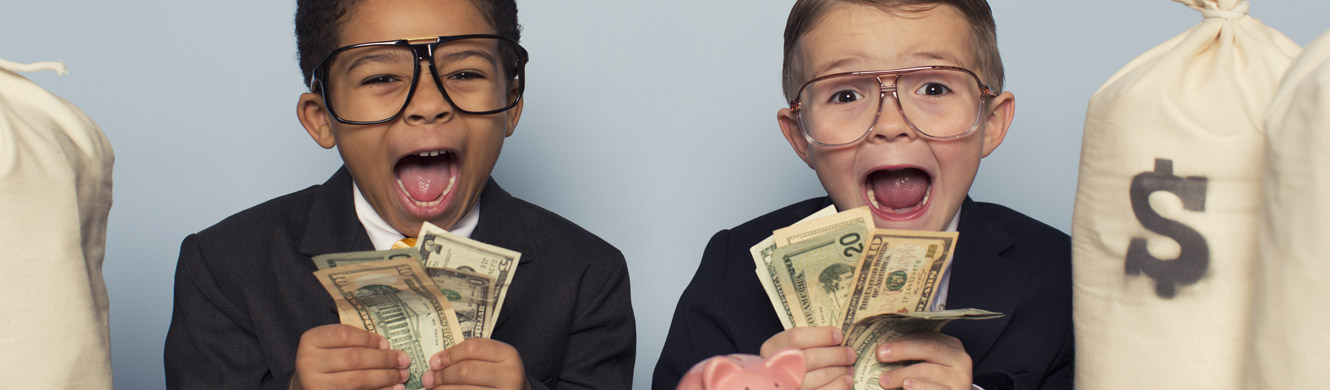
x,y
1164,229
55,179
1290,343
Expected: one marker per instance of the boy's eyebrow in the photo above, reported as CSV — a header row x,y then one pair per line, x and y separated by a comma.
x,y
834,65
460,55
938,56
918,55
381,56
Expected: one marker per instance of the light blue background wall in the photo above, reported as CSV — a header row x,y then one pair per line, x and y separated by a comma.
x,y
650,123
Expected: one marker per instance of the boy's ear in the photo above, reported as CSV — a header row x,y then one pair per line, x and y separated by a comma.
x,y
310,112
789,125
514,114
1001,109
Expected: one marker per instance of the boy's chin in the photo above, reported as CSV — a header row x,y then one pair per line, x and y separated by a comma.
x,y
911,224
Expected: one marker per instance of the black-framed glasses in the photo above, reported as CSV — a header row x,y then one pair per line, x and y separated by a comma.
x,y
371,83
938,102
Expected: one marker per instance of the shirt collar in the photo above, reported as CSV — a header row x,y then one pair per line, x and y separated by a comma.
x,y
955,222
383,235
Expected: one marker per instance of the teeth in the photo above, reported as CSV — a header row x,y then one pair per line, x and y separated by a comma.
x,y
928,193
435,153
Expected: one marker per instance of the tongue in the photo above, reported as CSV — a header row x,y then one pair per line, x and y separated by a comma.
x,y
424,178
900,188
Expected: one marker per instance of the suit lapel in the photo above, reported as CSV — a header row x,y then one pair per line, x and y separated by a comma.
x,y
981,278
501,222
332,225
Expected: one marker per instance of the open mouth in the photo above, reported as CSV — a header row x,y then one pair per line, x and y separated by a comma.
x,y
427,178
901,193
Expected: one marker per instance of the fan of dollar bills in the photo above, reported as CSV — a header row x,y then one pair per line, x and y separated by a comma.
x,y
423,299
837,269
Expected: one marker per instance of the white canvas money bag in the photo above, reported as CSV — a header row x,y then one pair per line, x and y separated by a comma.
x,y
1289,341
55,179
1163,232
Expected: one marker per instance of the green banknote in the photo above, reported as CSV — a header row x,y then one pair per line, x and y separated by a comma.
x,y
440,249
767,273
470,293
817,273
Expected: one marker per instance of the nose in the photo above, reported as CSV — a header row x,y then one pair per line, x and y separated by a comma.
x,y
427,105
891,124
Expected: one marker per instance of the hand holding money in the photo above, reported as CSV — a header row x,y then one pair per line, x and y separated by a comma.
x,y
926,359
826,358
836,282
335,354
397,300
425,299
478,363
908,346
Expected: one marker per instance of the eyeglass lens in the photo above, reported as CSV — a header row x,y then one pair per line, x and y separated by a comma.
x,y
940,103
373,83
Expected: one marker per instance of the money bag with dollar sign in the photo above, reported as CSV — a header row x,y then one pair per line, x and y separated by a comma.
x,y
1290,348
1163,233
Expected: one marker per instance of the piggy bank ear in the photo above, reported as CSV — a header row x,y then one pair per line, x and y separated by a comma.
x,y
787,366
717,369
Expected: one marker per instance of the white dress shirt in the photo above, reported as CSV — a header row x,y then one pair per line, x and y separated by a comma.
x,y
384,235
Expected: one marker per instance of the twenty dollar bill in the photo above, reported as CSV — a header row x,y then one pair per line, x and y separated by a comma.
x,y
900,272
817,273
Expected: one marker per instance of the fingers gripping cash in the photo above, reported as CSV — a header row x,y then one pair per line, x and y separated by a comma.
x,y
837,269
423,299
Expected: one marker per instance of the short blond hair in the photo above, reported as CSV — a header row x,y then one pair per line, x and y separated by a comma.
x,y
979,16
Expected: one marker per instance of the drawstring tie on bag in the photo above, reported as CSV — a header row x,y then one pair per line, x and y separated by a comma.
x,y
1229,14
57,67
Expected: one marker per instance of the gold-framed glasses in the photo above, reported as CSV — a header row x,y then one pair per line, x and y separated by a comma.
x,y
938,102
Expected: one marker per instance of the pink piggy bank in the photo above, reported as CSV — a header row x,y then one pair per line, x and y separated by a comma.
x,y
783,370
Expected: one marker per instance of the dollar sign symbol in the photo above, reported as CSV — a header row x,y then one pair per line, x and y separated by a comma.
x,y
1194,259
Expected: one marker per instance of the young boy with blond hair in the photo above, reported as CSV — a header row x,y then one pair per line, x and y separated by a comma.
x,y
418,97
893,103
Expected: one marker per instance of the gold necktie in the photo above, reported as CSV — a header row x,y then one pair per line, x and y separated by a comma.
x,y
408,242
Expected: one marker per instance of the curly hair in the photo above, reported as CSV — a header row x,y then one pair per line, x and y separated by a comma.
x,y
318,26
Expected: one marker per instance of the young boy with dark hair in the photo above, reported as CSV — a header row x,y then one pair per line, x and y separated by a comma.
x,y
417,96
893,103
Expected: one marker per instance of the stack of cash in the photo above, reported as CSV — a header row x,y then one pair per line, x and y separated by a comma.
x,y
423,299
837,269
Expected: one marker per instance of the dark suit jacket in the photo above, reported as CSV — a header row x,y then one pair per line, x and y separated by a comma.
x,y
1004,262
245,292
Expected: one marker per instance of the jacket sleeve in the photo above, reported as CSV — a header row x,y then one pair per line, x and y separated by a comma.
x,y
209,344
602,340
698,330
1061,376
